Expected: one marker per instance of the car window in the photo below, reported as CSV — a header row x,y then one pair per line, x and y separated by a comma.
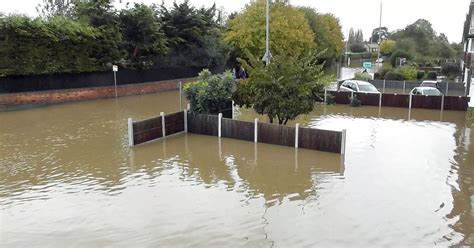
x,y
414,92
431,92
367,88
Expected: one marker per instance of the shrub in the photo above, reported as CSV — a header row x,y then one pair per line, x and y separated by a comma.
x,y
210,93
420,75
383,72
362,76
432,75
394,75
377,76
408,72
399,54
451,70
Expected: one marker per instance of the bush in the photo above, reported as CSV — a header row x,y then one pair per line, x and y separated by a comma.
x,y
394,75
432,75
383,72
420,75
399,54
408,72
363,76
210,93
451,70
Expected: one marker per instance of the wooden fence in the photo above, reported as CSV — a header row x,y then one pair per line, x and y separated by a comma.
x,y
307,138
459,103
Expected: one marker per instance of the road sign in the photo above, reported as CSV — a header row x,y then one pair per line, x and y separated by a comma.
x,y
367,65
115,68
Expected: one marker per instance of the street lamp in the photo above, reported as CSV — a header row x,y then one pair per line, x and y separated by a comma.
x,y
268,55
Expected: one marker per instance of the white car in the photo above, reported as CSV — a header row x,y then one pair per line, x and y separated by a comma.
x,y
358,86
426,91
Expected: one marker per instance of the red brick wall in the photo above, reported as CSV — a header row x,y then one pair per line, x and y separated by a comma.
x,y
70,95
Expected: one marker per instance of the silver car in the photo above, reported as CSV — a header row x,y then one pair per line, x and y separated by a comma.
x,y
426,91
358,86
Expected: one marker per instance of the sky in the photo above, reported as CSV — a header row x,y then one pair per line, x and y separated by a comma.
x,y
447,16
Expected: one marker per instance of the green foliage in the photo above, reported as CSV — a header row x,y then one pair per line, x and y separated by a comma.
x,y
284,89
144,39
394,75
290,33
357,48
432,75
355,36
327,31
420,75
210,93
399,54
451,70
408,72
51,8
362,76
379,34
387,47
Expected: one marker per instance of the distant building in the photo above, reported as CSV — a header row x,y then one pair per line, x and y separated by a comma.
x,y
468,37
372,47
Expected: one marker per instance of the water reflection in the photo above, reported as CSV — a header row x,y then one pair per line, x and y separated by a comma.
x,y
67,178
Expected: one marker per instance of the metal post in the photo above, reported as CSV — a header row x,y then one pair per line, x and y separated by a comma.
x,y
180,85
130,133
115,82
219,125
185,120
233,110
380,100
343,142
297,132
383,89
442,102
256,131
447,88
325,95
163,128
404,86
409,107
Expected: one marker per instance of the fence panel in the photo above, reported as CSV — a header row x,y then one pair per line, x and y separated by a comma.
x,y
321,140
342,97
392,100
276,134
240,130
368,99
456,103
174,123
147,130
426,102
203,124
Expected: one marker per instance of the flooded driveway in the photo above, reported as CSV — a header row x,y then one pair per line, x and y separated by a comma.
x,y
67,178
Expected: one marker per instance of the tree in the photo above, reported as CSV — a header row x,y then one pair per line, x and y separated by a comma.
x,y
327,31
357,48
51,8
210,93
387,47
143,37
283,89
379,34
290,33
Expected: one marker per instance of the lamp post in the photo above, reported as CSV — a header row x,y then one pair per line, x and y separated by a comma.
x,y
268,55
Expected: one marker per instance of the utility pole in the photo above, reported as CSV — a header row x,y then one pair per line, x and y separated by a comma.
x,y
268,55
380,30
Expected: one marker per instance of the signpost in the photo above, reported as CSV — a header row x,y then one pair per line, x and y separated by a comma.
x,y
367,65
115,69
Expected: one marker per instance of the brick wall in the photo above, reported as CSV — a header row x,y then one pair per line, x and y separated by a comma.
x,y
13,100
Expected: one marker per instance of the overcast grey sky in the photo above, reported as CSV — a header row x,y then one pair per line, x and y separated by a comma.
x,y
447,16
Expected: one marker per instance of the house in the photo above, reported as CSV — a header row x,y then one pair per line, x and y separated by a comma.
x,y
468,38
372,47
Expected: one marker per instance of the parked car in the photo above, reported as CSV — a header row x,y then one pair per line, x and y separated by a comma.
x,y
358,86
426,91
432,84
379,61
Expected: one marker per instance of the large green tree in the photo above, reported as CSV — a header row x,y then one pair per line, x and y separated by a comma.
x,y
143,37
284,89
327,32
50,8
290,34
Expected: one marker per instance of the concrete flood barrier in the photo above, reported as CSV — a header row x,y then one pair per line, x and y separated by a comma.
x,y
299,137
458,103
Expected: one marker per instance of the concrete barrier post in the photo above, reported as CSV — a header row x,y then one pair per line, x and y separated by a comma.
x,y
343,142
130,132
255,137
297,132
219,125
185,120
163,127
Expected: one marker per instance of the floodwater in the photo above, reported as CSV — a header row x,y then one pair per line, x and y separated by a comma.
x,y
68,179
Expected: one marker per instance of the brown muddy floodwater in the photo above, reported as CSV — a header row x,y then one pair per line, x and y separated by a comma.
x,y
67,179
